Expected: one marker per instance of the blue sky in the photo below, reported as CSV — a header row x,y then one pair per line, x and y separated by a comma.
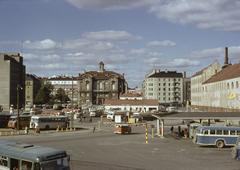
x,y
130,36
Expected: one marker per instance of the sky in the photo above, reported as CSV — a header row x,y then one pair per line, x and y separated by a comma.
x,y
132,37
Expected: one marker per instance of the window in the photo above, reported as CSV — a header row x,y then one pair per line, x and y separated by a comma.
x,y
237,84
205,132
26,165
232,85
219,132
212,132
3,161
232,132
225,132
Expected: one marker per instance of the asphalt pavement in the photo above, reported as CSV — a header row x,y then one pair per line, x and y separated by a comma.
x,y
104,150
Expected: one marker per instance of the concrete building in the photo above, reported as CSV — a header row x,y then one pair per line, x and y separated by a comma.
x,y
96,86
186,91
12,76
32,85
197,80
216,88
69,84
164,86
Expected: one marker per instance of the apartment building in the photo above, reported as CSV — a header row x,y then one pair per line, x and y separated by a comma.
x,y
164,86
12,84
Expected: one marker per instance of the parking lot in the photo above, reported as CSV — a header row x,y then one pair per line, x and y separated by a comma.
x,y
105,150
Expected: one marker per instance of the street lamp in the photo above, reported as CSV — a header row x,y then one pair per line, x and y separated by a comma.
x,y
18,120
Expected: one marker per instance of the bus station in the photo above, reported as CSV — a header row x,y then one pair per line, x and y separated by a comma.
x,y
191,116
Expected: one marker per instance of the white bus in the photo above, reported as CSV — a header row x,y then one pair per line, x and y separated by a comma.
x,y
49,122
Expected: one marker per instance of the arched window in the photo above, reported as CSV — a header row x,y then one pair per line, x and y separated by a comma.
x,y
232,85
237,84
228,86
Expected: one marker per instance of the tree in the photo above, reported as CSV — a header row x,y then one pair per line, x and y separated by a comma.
x,y
44,94
61,96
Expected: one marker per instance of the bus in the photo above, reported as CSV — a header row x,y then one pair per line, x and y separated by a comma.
x,y
24,121
21,156
4,118
219,136
49,122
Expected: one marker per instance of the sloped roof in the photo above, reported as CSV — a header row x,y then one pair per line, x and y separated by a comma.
x,y
201,71
165,74
144,102
230,72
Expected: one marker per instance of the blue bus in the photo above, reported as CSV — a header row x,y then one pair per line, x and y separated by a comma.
x,y
218,136
21,156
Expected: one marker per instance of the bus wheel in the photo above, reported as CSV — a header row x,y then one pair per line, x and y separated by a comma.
x,y
220,144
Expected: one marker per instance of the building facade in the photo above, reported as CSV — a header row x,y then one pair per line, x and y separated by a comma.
x,y
216,88
222,91
96,86
186,91
164,86
32,85
69,84
197,80
12,84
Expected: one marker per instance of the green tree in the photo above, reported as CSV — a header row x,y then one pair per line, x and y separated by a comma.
x,y
44,94
61,96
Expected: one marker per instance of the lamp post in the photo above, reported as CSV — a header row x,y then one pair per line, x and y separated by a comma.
x,y
18,120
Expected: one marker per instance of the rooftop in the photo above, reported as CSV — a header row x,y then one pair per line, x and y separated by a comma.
x,y
229,72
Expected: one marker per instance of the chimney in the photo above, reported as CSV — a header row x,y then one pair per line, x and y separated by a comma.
x,y
226,63
226,56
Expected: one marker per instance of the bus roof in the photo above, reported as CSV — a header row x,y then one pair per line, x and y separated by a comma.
x,y
29,152
219,127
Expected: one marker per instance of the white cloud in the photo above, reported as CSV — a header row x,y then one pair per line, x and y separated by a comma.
x,y
108,4
46,44
182,62
165,43
110,35
217,53
213,14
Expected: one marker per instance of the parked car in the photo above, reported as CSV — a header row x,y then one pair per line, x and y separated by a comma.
x,y
122,129
171,109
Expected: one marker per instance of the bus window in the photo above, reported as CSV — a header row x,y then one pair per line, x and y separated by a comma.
x,y
3,161
225,132
26,165
219,132
238,132
205,132
232,132
212,132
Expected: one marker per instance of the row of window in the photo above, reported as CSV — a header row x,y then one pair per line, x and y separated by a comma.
x,y
164,84
164,89
164,79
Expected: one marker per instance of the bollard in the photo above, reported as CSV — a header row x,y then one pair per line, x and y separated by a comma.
x,y
57,130
146,134
26,130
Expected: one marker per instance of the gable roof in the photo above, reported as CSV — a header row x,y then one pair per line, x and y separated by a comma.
x,y
230,72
